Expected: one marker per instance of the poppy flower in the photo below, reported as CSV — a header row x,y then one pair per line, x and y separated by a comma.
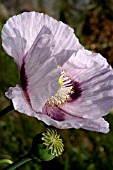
x,y
62,84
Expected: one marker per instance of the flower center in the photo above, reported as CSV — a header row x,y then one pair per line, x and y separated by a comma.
x,y
64,92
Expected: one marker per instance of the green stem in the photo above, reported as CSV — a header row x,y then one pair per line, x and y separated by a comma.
x,y
19,162
6,110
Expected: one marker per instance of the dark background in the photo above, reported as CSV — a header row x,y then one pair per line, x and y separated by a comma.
x,y
92,21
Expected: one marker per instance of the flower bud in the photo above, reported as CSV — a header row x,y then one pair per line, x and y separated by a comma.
x,y
47,145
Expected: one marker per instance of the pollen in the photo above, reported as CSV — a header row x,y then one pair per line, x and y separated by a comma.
x,y
64,92
60,81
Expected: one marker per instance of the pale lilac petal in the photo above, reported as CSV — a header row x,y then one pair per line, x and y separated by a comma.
x,y
63,56
95,77
86,59
60,119
28,25
18,98
98,125
44,37
15,47
20,103
40,72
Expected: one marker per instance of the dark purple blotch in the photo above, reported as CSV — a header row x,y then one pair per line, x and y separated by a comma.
x,y
23,77
24,82
77,91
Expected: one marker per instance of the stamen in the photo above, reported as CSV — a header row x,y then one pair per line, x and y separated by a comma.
x,y
64,92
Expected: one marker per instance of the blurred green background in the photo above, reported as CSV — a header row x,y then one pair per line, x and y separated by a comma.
x,y
92,21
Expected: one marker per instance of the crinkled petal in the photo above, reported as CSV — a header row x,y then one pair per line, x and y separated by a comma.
x,y
40,72
15,47
60,119
63,56
28,25
20,103
18,98
95,78
16,94
98,125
